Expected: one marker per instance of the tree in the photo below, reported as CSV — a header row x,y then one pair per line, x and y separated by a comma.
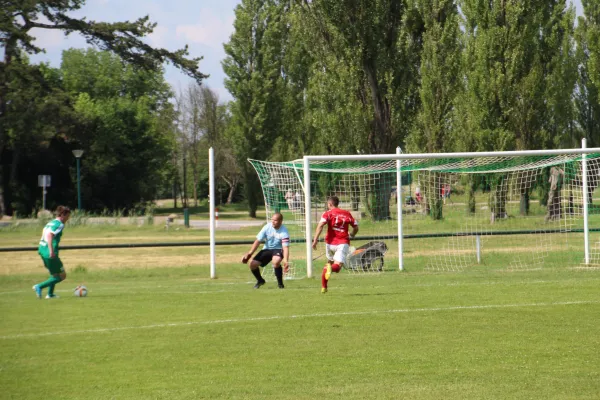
x,y
215,119
440,83
587,100
381,41
440,76
253,69
40,112
123,38
120,116
190,105
518,77
373,49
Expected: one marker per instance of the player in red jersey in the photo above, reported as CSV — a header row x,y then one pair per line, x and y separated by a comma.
x,y
337,239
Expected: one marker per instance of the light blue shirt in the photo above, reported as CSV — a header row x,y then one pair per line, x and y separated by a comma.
x,y
274,238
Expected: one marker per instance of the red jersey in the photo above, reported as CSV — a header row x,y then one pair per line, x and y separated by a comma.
x,y
338,221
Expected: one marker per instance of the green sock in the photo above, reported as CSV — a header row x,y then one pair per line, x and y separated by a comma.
x,y
51,290
53,280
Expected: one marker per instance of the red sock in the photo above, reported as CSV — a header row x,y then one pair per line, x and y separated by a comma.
x,y
323,280
336,268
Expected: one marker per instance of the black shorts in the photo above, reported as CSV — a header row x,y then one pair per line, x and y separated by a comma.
x,y
265,256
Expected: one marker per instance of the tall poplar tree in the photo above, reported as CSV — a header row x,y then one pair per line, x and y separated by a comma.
x,y
380,42
440,76
440,82
518,76
253,69
587,99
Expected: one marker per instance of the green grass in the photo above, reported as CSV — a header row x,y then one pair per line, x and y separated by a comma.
x,y
155,327
172,334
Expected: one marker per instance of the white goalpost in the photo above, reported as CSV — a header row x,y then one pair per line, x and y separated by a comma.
x,y
446,211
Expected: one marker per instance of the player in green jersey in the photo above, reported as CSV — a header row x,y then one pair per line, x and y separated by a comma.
x,y
48,250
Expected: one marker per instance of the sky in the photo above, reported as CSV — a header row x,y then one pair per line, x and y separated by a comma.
x,y
204,25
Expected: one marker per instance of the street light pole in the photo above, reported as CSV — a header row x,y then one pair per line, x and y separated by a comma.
x,y
78,154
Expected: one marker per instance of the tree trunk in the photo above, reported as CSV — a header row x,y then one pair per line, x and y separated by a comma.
x,y
498,200
554,210
380,137
251,186
195,158
471,203
175,194
432,195
378,200
195,181
524,202
9,51
184,201
379,142
230,194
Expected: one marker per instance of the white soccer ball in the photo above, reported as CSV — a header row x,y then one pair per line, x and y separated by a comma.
x,y
80,291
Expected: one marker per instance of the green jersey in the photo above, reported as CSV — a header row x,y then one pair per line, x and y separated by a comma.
x,y
56,228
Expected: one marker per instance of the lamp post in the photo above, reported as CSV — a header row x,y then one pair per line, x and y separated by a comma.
x,y
78,154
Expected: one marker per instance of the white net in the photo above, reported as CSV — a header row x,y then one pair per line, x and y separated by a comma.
x,y
294,271
515,213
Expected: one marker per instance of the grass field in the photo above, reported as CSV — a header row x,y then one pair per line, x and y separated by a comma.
x,y
155,327
172,334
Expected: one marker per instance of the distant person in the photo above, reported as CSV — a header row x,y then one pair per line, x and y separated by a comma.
x,y
447,191
289,198
298,202
337,239
48,250
418,196
275,251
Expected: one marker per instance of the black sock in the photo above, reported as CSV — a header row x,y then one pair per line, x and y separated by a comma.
x,y
256,273
279,275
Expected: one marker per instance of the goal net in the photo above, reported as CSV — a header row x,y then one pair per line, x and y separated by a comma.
x,y
499,211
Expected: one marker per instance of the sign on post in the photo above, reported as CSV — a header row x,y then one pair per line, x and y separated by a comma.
x,y
44,182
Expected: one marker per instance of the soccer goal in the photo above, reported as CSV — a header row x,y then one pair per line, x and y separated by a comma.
x,y
446,212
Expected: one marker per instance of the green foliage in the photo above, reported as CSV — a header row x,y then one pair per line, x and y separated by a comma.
x,y
440,76
587,101
369,50
20,83
519,75
253,66
125,147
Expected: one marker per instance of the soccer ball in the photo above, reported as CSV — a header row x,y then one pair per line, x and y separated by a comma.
x,y
80,291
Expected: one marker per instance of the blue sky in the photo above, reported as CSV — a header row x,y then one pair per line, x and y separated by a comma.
x,y
204,25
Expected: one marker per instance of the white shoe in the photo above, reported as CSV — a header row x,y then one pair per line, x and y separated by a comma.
x,y
54,296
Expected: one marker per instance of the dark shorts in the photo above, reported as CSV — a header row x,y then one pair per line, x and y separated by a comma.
x,y
265,256
54,265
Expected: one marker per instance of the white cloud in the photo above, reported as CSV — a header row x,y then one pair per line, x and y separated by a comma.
x,y
211,30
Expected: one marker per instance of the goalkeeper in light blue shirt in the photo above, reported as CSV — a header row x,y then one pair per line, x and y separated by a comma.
x,y
275,251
